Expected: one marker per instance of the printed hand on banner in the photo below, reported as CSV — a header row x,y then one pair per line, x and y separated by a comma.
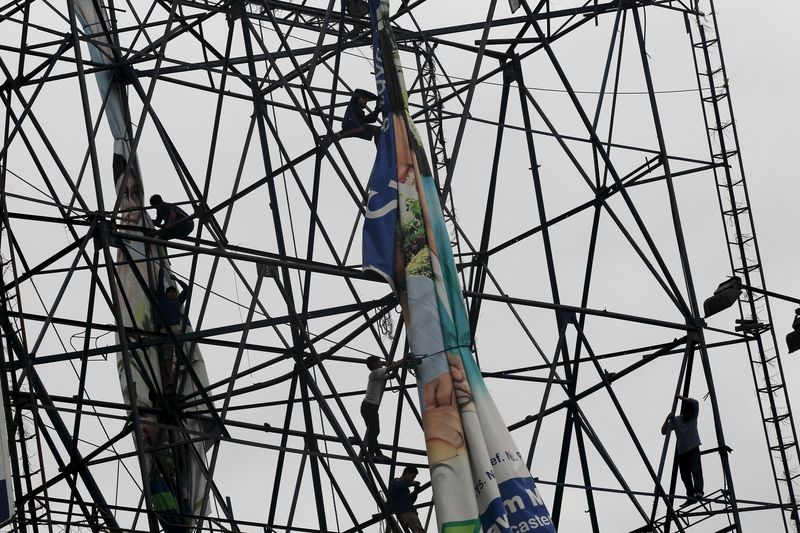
x,y
441,421
460,383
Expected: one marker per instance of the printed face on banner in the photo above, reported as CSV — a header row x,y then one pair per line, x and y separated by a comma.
x,y
131,199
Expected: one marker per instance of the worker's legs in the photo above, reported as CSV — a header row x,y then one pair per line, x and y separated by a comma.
x,y
375,132
185,228
410,521
370,414
180,229
367,132
168,358
685,467
696,467
361,132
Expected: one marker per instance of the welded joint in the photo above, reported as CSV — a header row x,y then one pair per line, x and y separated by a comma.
x,y
102,231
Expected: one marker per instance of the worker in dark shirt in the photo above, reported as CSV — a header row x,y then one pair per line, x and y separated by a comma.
x,y
170,316
356,122
169,301
173,221
688,446
402,499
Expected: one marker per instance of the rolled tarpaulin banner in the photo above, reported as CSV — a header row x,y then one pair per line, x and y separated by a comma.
x,y
175,472
479,478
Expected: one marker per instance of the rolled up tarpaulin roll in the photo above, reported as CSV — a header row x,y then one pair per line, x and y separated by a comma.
x,y
177,470
479,478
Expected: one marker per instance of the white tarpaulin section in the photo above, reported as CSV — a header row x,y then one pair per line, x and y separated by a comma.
x,y
175,473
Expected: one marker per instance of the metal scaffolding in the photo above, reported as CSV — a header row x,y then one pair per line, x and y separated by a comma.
x,y
567,207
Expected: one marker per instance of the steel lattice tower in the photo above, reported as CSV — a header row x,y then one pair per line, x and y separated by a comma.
x,y
584,153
